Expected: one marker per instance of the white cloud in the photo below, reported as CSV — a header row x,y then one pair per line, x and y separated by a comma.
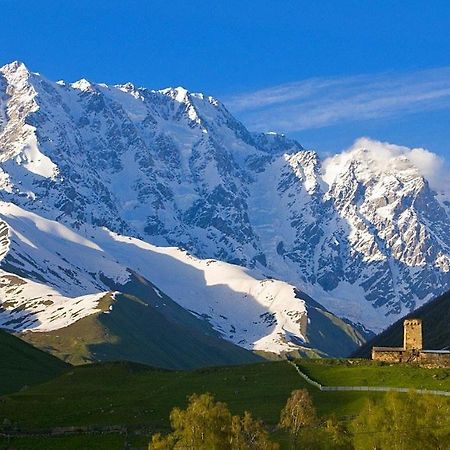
x,y
320,102
386,157
428,163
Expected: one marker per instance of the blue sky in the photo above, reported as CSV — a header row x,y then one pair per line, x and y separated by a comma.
x,y
325,72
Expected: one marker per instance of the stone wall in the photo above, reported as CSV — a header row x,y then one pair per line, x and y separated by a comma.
x,y
391,356
424,358
434,359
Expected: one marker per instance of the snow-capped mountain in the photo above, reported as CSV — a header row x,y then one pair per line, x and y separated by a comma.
x,y
365,237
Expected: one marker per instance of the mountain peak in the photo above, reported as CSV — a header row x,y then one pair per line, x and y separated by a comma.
x,y
183,95
179,94
127,87
369,158
82,85
14,66
16,70
276,143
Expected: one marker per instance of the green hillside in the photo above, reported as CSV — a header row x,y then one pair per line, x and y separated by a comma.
x,y
140,398
136,331
144,327
136,396
436,330
23,365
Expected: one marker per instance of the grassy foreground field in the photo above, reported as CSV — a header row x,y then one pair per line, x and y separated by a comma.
x,y
140,398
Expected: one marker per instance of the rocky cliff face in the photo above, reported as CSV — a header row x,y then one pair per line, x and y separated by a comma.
x,y
365,236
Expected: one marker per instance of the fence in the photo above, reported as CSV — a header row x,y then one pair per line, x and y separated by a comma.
x,y
364,388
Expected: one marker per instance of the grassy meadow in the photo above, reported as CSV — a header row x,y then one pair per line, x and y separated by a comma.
x,y
140,398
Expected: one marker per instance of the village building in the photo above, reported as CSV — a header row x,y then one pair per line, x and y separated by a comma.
x,y
412,350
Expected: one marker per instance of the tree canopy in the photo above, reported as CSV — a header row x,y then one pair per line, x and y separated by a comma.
x,y
395,421
208,425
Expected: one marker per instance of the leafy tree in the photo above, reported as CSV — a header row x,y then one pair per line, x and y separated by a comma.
x,y
160,442
403,422
208,425
250,434
337,435
299,417
203,425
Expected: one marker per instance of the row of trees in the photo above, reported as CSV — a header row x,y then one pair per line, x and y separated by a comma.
x,y
395,421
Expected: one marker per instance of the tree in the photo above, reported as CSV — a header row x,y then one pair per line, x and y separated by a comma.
x,y
299,411
298,417
203,425
337,435
208,425
403,422
250,434
160,442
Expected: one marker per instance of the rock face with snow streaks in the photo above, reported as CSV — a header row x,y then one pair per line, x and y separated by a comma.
x,y
366,238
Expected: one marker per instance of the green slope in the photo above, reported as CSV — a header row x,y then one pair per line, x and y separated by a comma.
x,y
143,327
134,395
436,330
23,365
140,398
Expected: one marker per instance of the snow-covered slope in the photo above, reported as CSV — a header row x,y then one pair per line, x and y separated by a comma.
x,y
363,235
245,308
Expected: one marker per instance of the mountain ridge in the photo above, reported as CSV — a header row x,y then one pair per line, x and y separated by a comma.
x,y
175,168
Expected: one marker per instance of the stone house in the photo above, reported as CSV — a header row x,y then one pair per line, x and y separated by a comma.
x,y
412,350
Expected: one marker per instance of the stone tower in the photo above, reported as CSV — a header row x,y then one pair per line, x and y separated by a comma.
x,y
412,334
